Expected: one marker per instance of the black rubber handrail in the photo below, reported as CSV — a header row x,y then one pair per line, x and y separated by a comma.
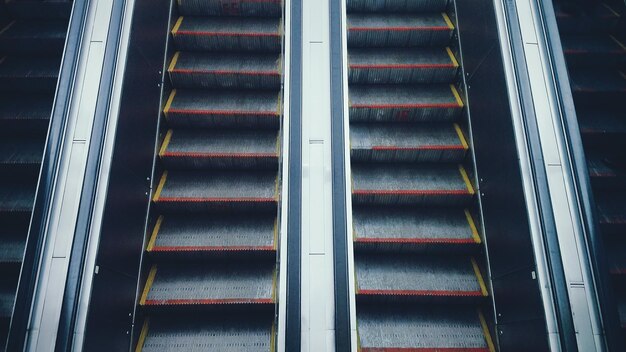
x,y
69,307
584,193
293,338
560,294
48,174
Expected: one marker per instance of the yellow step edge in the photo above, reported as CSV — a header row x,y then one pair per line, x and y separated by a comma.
x,y
274,286
173,63
177,25
278,144
149,282
472,225
481,282
452,57
483,324
168,105
276,234
466,179
447,19
457,96
159,189
459,132
143,335
155,232
166,142
273,338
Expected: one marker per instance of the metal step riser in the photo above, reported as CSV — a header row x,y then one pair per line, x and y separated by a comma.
x,y
412,156
405,299
401,76
403,199
178,162
223,121
389,39
605,99
244,8
184,207
592,60
228,81
186,42
578,25
28,84
414,248
397,6
40,10
404,115
52,47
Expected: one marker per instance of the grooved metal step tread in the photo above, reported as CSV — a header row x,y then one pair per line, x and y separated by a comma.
x,y
228,34
220,70
394,275
621,307
383,66
28,74
210,285
573,18
183,191
601,124
225,109
407,143
433,328
593,49
436,102
199,334
244,8
198,234
220,149
600,81
7,299
25,108
28,37
611,208
410,184
399,6
604,172
16,196
399,30
12,244
400,228
21,151
615,248
40,9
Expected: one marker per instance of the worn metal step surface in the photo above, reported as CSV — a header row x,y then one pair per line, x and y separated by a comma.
x,y
410,184
12,244
604,172
399,103
41,37
183,191
423,328
25,113
191,108
244,8
40,9
602,127
227,333
593,50
386,142
401,65
611,208
211,284
29,74
21,152
399,30
410,276
225,70
573,18
223,149
227,34
400,229
598,87
16,196
7,298
396,6
213,234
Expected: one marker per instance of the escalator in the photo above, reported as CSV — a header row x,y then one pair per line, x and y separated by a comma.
x,y
593,37
418,249
32,37
210,263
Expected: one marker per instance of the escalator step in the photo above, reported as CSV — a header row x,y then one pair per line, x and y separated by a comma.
x,y
28,74
621,306
399,30
220,149
404,103
23,153
198,334
183,191
210,285
414,229
434,328
400,6
40,9
395,276
592,50
205,234
602,127
616,247
228,34
410,184
7,298
33,37
407,143
245,8
12,244
193,70
16,196
573,18
604,173
223,109
25,112
599,87
383,66
611,210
